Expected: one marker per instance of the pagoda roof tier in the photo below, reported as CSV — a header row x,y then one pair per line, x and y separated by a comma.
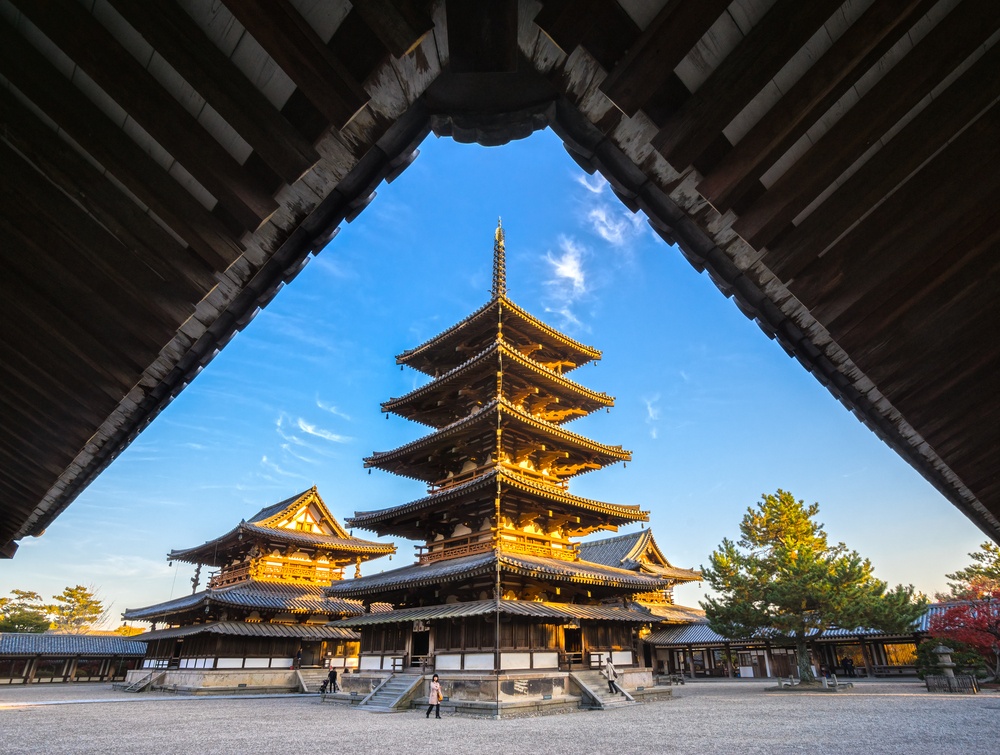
x,y
553,612
449,349
525,381
432,457
410,519
465,568
252,629
636,551
250,596
277,525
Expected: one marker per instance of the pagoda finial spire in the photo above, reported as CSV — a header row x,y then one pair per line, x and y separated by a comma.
x,y
499,264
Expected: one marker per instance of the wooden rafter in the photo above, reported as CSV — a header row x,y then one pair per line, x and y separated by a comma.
x,y
868,38
52,93
300,52
182,43
909,81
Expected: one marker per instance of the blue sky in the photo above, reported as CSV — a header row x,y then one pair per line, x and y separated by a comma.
x,y
714,412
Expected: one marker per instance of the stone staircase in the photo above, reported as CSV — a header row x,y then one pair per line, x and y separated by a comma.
x,y
596,696
313,678
392,694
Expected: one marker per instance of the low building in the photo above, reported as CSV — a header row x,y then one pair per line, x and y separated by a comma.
x,y
33,658
694,650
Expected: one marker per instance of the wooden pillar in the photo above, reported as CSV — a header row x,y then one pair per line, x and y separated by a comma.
x,y
69,669
866,656
729,660
31,670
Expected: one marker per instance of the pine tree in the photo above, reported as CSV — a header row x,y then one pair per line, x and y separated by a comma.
x,y
984,572
783,578
76,610
23,613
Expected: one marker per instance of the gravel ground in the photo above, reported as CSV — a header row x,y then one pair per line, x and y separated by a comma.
x,y
703,717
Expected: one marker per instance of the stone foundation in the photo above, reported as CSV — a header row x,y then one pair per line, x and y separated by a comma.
x,y
220,681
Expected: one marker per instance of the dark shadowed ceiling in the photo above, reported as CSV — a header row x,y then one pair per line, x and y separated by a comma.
x,y
165,168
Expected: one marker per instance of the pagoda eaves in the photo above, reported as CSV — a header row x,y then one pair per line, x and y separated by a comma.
x,y
434,457
526,383
455,345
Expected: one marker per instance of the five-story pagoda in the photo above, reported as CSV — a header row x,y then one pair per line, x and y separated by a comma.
x,y
498,522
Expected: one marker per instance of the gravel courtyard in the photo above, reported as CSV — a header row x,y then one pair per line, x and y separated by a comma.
x,y
703,717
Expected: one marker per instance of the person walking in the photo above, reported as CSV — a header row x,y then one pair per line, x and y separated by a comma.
x,y
434,698
612,674
331,679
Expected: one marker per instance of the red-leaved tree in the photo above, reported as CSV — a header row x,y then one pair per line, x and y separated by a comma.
x,y
976,621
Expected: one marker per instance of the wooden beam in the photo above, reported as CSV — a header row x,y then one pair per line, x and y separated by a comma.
x,y
887,242
184,46
482,37
603,28
909,81
650,61
944,117
98,302
867,40
108,145
399,24
87,248
739,78
88,187
301,54
933,283
78,34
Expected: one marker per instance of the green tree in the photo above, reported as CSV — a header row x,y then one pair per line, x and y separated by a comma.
x,y
76,610
23,613
984,572
783,578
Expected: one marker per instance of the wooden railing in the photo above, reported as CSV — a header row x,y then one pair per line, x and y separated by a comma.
x,y
282,571
467,545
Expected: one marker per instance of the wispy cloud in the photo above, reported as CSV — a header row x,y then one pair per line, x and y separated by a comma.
x,y
653,415
268,464
567,283
614,225
594,184
320,403
319,432
605,215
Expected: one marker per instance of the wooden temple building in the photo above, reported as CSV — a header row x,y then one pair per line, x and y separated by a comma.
x,y
264,603
500,585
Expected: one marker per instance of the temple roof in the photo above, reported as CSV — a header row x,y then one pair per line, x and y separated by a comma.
x,y
251,595
636,551
421,404
439,353
379,521
419,450
533,609
253,629
85,645
463,568
275,524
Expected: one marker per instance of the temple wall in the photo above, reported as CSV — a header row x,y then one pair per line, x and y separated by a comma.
x,y
221,681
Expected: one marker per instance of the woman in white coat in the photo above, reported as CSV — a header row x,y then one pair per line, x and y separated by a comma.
x,y
434,698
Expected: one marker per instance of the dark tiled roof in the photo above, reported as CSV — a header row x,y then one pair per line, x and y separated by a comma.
x,y
254,629
621,512
699,633
626,551
469,566
217,550
253,595
533,609
486,311
268,511
24,643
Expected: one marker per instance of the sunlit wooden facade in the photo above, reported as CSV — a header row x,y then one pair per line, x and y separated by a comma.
x,y
499,583
264,601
